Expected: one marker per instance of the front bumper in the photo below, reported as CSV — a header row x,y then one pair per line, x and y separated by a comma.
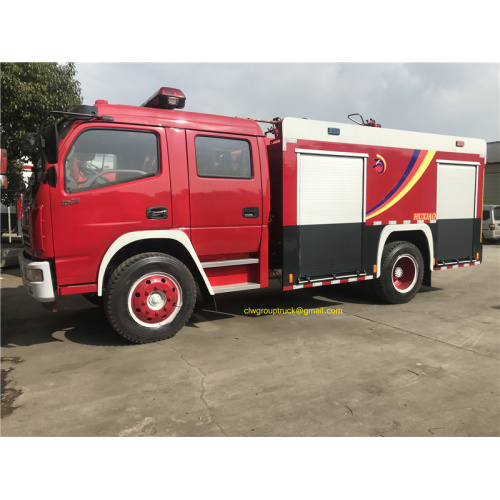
x,y
491,235
43,290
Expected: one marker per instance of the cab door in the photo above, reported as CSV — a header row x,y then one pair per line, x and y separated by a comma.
x,y
113,180
225,195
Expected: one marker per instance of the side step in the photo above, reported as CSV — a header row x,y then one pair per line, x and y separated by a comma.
x,y
235,288
226,263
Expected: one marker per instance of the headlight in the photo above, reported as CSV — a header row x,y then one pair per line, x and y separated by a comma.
x,y
34,275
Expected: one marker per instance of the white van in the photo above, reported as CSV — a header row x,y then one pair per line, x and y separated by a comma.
x,y
491,222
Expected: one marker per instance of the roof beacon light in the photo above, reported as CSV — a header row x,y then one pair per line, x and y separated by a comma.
x,y
166,98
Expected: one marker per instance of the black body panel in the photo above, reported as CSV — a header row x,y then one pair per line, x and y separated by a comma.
x,y
322,250
455,239
330,249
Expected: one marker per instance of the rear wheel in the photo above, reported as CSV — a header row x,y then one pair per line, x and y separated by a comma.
x,y
401,274
149,297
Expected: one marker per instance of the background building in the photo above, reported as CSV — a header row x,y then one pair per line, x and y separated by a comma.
x,y
492,174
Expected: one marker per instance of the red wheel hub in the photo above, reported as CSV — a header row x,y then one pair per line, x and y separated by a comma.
x,y
155,299
404,273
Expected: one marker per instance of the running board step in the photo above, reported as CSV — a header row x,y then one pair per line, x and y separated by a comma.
x,y
235,288
225,263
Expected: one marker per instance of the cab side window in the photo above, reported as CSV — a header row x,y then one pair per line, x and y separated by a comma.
x,y
101,157
222,157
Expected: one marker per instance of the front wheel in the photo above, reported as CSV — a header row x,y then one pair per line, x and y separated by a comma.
x,y
149,297
401,274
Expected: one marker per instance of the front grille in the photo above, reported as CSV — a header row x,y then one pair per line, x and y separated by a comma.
x,y
26,238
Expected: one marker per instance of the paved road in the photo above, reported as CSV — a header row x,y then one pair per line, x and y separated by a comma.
x,y
427,368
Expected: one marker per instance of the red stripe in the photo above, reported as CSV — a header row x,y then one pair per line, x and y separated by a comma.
x,y
329,282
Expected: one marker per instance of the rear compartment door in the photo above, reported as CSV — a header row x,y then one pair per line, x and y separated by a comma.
x,y
456,211
330,213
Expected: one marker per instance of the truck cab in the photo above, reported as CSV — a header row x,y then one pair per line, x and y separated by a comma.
x,y
168,197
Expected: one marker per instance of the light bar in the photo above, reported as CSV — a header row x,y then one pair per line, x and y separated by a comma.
x,y
166,98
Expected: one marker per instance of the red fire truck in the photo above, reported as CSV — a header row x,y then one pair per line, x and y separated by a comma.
x,y
4,184
134,206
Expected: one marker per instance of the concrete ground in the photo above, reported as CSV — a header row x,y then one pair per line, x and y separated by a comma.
x,y
427,368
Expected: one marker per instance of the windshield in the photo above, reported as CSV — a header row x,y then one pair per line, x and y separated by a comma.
x,y
63,127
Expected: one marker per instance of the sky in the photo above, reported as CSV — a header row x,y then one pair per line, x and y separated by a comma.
x,y
433,67
459,99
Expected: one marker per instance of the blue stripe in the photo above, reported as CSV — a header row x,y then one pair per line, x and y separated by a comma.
x,y
416,152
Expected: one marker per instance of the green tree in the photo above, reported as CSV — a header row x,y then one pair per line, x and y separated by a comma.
x,y
28,91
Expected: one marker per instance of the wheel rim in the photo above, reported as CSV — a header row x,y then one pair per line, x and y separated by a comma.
x,y
155,300
404,273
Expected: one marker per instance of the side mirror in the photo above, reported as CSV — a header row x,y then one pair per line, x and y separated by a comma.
x,y
51,143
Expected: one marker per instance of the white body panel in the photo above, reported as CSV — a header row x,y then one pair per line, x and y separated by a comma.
x,y
43,291
128,238
297,128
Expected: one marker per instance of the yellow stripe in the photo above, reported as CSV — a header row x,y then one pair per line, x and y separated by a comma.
x,y
427,160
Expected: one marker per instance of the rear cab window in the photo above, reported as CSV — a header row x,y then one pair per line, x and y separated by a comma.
x,y
223,157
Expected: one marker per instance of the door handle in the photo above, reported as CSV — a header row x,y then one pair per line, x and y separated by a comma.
x,y
250,212
157,213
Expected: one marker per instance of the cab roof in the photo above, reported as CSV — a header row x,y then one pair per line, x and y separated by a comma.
x,y
175,118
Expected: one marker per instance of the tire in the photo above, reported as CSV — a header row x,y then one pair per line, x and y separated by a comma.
x,y
401,274
149,297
